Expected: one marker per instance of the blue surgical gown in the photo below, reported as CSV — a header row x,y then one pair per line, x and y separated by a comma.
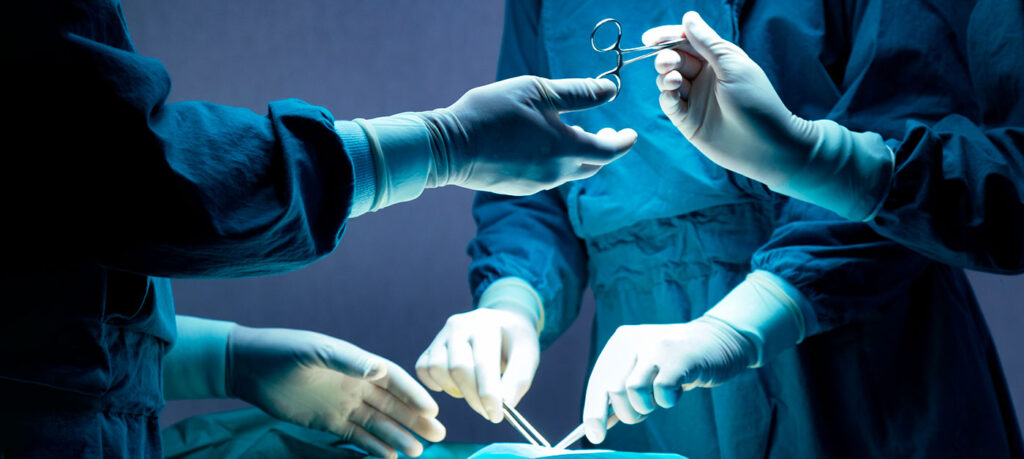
x,y
107,191
901,362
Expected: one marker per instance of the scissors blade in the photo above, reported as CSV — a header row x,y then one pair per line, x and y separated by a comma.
x,y
523,426
579,432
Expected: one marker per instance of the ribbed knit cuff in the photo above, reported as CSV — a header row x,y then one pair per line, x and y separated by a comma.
x,y
357,146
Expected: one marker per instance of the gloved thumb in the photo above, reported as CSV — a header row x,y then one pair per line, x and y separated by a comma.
x,y
707,43
579,93
352,360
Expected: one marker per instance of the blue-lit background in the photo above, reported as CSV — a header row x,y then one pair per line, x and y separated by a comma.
x,y
399,273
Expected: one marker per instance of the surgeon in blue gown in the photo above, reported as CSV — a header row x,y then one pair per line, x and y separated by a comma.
x,y
108,191
948,182
770,326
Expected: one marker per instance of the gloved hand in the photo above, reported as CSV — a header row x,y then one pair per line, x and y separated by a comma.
x,y
327,384
725,105
644,365
647,366
489,354
505,137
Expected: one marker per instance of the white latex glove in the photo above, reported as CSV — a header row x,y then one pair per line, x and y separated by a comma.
x,y
489,354
327,384
644,365
725,105
505,137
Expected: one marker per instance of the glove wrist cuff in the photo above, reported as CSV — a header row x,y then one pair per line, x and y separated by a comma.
x,y
448,143
400,145
846,172
197,365
514,294
763,312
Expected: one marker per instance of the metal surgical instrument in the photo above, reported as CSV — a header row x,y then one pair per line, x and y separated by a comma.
x,y
578,433
620,63
519,422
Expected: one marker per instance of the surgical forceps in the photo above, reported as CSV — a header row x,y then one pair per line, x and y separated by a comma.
x,y
519,422
620,63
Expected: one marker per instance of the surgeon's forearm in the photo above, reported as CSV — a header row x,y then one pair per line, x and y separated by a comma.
x,y
768,311
196,367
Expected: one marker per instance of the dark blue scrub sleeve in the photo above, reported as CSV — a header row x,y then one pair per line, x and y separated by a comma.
x,y
106,172
530,237
946,84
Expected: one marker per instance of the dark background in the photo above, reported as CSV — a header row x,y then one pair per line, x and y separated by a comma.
x,y
401,272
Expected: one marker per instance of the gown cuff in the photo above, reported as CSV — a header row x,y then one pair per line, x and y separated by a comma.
x,y
364,172
196,367
767,310
514,294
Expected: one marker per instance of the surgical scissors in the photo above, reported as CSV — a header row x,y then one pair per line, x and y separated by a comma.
x,y
620,63
519,422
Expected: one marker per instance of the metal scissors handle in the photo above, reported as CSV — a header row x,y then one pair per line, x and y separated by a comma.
x,y
619,51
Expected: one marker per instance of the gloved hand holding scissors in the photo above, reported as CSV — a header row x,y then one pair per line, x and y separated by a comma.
x,y
305,378
725,105
505,137
489,354
644,367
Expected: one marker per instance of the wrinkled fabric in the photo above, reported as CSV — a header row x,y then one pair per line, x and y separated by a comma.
x,y
250,433
112,190
902,365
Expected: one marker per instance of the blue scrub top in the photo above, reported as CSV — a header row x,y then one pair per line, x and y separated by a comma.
x,y
108,190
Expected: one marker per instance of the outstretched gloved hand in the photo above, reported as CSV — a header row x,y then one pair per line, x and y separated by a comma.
x,y
324,383
723,102
505,137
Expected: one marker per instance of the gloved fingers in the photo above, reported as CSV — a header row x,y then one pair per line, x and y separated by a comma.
x,y
427,427
438,369
620,402
673,59
706,42
522,357
605,146
463,371
667,388
674,106
673,81
640,386
595,411
367,441
571,94
661,34
349,359
385,429
405,388
487,360
423,371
